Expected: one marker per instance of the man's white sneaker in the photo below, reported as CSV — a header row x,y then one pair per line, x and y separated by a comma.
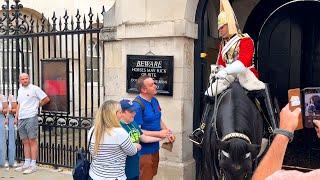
x,y
6,164
15,164
30,170
21,168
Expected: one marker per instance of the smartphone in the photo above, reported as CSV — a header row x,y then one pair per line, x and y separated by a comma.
x,y
294,96
311,105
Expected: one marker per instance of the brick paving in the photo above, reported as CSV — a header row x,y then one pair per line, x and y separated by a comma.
x,y
41,174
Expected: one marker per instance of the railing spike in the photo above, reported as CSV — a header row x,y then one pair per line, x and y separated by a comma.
x,y
90,15
48,24
66,17
103,10
43,20
72,23
84,21
98,21
54,24
60,24
78,16
31,24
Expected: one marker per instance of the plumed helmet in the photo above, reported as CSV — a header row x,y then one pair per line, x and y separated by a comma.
x,y
227,16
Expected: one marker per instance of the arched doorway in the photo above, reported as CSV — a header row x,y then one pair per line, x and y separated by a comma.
x,y
207,43
287,40
287,57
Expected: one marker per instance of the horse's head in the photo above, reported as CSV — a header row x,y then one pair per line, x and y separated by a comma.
x,y
233,113
236,157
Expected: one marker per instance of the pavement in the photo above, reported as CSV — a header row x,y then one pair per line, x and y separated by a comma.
x,y
46,173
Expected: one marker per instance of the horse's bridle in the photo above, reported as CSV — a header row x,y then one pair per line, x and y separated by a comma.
x,y
235,135
226,154
228,136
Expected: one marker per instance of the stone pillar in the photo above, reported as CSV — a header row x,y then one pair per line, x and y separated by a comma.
x,y
140,27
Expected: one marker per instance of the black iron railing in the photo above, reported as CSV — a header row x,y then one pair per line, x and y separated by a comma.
x,y
25,41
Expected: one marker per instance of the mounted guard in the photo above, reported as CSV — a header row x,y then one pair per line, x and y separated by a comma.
x,y
234,63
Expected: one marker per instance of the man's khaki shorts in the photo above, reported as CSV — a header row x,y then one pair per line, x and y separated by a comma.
x,y
28,128
149,166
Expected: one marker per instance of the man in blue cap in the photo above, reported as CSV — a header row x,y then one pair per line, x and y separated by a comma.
x,y
136,135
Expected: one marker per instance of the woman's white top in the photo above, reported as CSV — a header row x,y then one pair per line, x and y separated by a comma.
x,y
109,163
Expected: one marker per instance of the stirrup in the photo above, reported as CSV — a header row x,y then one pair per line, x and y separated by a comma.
x,y
197,136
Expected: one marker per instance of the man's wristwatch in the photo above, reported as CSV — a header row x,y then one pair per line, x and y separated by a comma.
x,y
286,133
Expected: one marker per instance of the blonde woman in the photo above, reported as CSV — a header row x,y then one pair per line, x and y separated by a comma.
x,y
110,144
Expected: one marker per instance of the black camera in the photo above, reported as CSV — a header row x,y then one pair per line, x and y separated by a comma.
x,y
310,106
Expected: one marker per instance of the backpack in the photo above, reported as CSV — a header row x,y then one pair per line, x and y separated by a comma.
x,y
143,107
81,169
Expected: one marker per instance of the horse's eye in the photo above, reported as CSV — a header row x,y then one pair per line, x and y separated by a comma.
x,y
247,155
225,154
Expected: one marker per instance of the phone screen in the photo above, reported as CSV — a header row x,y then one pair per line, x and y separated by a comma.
x,y
295,102
311,107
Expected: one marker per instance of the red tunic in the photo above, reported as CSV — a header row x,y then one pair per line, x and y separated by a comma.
x,y
245,54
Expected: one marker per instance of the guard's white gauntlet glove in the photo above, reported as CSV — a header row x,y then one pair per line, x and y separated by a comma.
x,y
221,74
214,70
235,68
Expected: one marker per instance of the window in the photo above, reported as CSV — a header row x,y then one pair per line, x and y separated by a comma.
x,y
8,59
93,63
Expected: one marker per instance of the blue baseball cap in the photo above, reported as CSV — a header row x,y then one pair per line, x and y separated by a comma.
x,y
126,104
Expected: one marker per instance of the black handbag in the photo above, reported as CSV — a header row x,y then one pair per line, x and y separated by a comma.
x,y
81,169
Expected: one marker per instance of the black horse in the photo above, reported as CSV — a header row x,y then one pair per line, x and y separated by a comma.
x,y
232,137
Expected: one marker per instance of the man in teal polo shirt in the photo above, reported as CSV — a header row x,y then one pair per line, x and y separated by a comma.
x,y
136,135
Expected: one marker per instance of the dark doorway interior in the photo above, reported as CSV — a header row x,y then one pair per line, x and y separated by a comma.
x,y
289,57
207,43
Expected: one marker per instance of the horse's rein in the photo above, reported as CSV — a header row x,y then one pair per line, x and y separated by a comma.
x,y
215,109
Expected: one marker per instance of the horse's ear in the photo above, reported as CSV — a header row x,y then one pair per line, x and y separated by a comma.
x,y
254,149
223,145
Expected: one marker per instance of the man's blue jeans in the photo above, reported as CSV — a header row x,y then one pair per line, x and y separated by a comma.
x,y
7,135
12,136
3,144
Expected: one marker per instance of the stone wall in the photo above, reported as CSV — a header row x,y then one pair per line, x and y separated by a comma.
x,y
144,26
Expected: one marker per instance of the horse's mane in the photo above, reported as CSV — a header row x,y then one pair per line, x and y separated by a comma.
x,y
237,147
241,111
242,117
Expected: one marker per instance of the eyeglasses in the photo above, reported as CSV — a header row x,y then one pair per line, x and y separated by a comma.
x,y
118,111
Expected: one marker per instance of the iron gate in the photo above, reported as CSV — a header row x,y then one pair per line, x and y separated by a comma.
x,y
25,41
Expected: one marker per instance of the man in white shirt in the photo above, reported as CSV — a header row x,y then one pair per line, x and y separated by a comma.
x,y
30,98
